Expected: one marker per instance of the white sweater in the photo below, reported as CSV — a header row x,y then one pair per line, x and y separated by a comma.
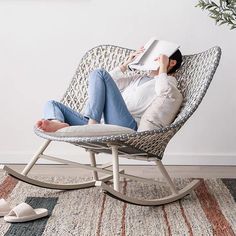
x,y
139,97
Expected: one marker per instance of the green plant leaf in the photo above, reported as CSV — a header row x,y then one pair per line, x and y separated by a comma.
x,y
224,13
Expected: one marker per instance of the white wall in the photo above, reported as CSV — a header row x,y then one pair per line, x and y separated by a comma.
x,y
41,43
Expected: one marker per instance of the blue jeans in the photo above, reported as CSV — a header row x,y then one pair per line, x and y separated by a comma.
x,y
104,99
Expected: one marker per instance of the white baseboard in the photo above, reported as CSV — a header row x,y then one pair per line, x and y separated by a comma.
x,y
169,158
213,159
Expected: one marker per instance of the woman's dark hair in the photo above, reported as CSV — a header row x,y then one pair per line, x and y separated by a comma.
x,y
178,57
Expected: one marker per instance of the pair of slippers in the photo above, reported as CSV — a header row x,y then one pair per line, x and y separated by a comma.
x,y
21,213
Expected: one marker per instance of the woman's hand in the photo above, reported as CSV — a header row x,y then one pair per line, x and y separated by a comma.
x,y
163,61
131,58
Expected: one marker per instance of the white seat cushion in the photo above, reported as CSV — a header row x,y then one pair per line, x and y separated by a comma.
x,y
91,130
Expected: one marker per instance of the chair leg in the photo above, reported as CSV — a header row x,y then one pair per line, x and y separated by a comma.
x,y
115,165
39,154
93,164
174,196
166,176
35,158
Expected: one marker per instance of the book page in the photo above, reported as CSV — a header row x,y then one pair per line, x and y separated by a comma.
x,y
160,47
153,49
149,51
146,50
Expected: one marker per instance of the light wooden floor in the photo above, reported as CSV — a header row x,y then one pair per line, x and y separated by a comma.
x,y
145,171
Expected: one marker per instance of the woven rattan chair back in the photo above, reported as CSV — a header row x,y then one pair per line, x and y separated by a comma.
x,y
193,77
104,56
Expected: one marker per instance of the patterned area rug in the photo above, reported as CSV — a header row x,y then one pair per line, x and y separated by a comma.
x,y
209,210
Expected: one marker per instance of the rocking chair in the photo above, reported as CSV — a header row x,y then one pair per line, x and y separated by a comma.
x,y
194,78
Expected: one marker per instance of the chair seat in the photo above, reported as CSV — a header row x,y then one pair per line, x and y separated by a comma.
x,y
94,130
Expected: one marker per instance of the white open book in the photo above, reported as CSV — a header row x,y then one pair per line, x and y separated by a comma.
x,y
152,49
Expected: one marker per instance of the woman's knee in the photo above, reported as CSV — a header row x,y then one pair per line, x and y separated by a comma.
x,y
51,103
98,73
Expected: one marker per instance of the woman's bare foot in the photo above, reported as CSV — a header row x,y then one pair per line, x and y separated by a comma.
x,y
50,125
39,123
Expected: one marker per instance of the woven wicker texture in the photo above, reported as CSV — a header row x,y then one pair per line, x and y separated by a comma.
x,y
194,78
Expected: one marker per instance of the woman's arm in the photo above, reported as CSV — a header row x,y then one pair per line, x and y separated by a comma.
x,y
121,80
117,73
164,83
163,61
132,56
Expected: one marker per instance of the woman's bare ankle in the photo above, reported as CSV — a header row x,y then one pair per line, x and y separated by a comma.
x,y
92,122
57,121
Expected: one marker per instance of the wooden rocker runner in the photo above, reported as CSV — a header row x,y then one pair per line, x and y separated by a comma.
x,y
194,78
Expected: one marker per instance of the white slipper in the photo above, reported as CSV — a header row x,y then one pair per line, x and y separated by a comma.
x,y
4,207
24,212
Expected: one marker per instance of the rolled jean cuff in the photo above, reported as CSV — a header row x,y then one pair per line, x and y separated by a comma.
x,y
54,118
90,115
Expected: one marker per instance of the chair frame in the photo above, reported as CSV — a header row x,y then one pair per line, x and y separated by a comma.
x,y
114,175
146,145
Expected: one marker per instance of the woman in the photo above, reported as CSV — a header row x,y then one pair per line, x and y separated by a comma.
x,y
118,99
